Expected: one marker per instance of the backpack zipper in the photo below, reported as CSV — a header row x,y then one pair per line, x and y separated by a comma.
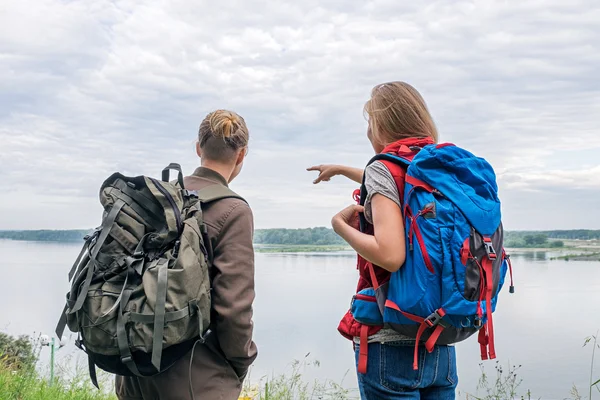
x,y
171,202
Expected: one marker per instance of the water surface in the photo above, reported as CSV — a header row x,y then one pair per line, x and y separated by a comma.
x,y
301,298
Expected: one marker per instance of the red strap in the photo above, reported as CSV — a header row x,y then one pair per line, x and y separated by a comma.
x,y
363,350
422,328
430,343
412,317
426,258
465,251
483,342
418,183
374,280
488,269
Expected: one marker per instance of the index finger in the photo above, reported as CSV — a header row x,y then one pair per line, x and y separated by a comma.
x,y
314,168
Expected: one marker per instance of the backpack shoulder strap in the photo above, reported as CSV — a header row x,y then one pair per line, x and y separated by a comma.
x,y
402,161
210,194
216,192
384,157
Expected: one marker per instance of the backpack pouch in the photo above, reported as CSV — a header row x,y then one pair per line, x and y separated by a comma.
x,y
364,308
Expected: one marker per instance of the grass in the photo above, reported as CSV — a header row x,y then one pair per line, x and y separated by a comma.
x,y
593,340
21,378
20,381
504,385
26,384
290,385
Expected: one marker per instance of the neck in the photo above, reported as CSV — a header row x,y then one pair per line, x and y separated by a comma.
x,y
224,170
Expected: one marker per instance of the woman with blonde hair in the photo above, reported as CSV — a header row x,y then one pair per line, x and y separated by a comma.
x,y
398,121
216,368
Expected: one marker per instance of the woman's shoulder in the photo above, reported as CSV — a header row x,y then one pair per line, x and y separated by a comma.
x,y
377,175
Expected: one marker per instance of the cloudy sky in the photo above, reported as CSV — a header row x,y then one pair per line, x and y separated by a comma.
x,y
92,87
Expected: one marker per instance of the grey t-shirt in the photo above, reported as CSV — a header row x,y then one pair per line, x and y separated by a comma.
x,y
379,180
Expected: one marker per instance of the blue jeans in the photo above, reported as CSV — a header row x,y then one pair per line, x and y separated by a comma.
x,y
390,373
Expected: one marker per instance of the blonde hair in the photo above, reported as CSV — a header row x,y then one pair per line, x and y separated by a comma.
x,y
222,133
397,111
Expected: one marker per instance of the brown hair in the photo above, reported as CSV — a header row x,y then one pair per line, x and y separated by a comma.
x,y
222,133
397,111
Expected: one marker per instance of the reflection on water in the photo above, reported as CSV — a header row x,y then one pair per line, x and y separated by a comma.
x,y
301,297
533,255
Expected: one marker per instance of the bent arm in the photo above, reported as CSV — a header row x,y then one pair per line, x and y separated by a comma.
x,y
387,247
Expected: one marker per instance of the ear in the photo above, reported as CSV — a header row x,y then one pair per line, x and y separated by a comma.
x,y
198,149
241,155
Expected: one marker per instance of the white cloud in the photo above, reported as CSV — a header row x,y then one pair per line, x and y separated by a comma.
x,y
93,86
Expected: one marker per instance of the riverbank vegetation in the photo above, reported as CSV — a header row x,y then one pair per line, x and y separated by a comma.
x,y
531,240
325,239
21,379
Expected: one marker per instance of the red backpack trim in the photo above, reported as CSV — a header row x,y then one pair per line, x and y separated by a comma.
x,y
370,275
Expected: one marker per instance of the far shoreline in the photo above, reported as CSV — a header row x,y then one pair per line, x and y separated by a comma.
x,y
580,245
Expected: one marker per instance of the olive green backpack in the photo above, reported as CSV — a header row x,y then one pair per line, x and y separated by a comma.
x,y
140,288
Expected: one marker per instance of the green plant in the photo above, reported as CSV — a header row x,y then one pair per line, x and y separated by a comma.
x,y
20,377
575,393
292,386
27,384
503,386
17,352
594,343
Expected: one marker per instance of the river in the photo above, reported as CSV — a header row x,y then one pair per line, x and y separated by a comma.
x,y
301,297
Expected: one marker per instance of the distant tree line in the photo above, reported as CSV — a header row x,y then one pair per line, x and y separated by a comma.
x,y
324,236
73,235
310,236
571,234
530,239
581,234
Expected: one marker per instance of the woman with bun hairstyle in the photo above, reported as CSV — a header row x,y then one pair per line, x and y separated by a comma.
x,y
216,368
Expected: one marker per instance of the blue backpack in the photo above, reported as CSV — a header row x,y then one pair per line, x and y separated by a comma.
x,y
455,264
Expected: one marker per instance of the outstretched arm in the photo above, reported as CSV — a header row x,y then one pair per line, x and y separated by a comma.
x,y
328,171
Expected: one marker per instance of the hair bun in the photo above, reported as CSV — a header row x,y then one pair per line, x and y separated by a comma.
x,y
222,128
227,128
224,124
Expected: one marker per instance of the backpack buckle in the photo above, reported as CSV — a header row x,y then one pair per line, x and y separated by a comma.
x,y
435,318
176,249
489,248
126,359
193,307
92,236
